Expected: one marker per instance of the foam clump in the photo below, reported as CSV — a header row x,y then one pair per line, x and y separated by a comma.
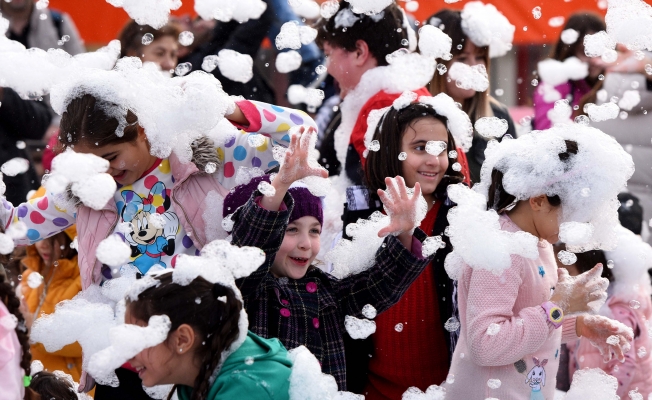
x,y
307,382
433,42
127,341
6,244
113,251
569,36
434,392
359,328
86,176
599,45
458,122
629,100
404,100
288,61
561,112
159,391
632,258
293,35
602,112
531,167
154,13
486,26
369,311
566,257
554,72
235,66
307,9
470,220
369,6
173,111
431,244
227,10
15,166
628,22
298,94
469,77
491,127
593,384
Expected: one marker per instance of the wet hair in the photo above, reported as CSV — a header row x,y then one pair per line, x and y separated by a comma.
x,y
389,133
51,386
86,121
383,37
10,300
498,198
450,22
584,23
215,322
131,36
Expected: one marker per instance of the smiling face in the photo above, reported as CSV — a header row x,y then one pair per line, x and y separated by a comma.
x,y
128,161
49,250
471,55
300,246
420,166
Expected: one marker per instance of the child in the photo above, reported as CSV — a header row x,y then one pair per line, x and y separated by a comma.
x,y
510,317
629,302
14,347
476,104
50,385
420,354
162,50
197,345
288,297
179,194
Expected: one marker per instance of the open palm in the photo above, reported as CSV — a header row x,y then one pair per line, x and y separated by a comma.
x,y
400,206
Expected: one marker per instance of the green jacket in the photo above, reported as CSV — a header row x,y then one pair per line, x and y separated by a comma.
x,y
268,377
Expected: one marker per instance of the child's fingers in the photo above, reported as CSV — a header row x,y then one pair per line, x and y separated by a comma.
x,y
562,274
386,230
593,273
392,188
383,197
417,192
618,352
402,189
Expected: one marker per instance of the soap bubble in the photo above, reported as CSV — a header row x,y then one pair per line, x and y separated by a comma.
x,y
148,38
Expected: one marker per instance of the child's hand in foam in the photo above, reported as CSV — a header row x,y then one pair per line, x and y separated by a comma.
x,y
609,336
400,206
583,293
297,163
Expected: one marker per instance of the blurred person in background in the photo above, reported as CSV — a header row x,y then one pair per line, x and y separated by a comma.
x,y
476,104
163,49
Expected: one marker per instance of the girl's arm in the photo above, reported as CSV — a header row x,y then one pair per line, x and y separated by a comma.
x,y
41,216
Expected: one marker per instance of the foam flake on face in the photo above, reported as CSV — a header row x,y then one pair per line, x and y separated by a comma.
x,y
359,328
298,94
288,61
433,392
433,42
435,147
15,166
469,77
569,36
554,72
227,10
592,384
491,127
369,311
486,26
566,257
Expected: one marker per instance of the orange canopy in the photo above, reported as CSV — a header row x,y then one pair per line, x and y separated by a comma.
x,y
99,22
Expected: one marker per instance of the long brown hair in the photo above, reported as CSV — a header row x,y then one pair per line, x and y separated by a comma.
x,y
131,36
450,22
389,133
215,322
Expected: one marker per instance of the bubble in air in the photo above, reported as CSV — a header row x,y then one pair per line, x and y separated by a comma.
x,y
186,38
610,264
536,12
34,280
499,92
457,167
402,156
452,154
369,311
641,352
249,360
148,38
183,68
450,379
374,145
320,69
398,327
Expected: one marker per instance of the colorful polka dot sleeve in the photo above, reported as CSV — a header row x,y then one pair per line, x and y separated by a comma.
x,y
273,122
41,215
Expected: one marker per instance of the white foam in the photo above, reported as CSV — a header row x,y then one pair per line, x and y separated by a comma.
x,y
369,6
554,72
113,251
458,122
15,166
592,384
486,26
433,42
602,112
491,127
599,45
359,328
227,10
235,66
288,61
569,36
298,94
628,22
154,13
307,9
469,77
629,100
433,392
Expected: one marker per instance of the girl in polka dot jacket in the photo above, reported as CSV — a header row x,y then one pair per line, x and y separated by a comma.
x,y
289,298
183,195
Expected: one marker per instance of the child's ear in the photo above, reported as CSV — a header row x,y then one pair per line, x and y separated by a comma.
x,y
362,52
539,203
183,339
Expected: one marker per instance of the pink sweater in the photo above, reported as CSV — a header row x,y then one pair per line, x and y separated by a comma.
x,y
11,374
636,372
524,354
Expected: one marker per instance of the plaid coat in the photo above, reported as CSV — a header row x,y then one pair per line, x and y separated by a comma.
x,y
310,311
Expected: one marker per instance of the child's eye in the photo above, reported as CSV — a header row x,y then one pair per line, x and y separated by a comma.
x,y
420,148
315,231
111,158
291,230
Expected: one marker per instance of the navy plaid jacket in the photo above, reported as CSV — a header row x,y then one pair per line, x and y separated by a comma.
x,y
310,311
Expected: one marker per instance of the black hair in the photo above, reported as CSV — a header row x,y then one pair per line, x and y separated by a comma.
x,y
50,386
584,22
131,36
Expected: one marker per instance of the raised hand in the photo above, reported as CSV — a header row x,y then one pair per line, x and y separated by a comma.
x,y
297,163
583,293
609,336
401,208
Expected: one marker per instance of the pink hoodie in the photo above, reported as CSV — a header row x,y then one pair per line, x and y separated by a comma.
x,y
519,361
636,372
11,353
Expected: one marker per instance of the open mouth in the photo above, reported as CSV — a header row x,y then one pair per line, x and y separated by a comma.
x,y
140,371
120,176
429,175
300,261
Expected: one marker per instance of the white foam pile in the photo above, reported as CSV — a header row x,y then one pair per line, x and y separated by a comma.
x,y
173,112
34,72
307,9
629,100
293,35
569,36
433,42
288,61
433,392
458,122
469,220
632,258
630,22
154,13
593,384
600,44
491,127
554,72
402,101
359,328
298,94
6,244
469,77
126,342
113,251
227,10
307,382
369,7
233,65
15,166
602,112
86,176
486,26
531,167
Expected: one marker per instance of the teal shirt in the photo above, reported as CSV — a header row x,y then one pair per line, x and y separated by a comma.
x,y
268,377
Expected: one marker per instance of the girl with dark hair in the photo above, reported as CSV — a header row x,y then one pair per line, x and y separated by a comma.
x,y
476,104
420,354
204,325
288,296
581,91
160,46
50,385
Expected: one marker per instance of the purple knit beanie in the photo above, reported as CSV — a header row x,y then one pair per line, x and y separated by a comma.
x,y
305,203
